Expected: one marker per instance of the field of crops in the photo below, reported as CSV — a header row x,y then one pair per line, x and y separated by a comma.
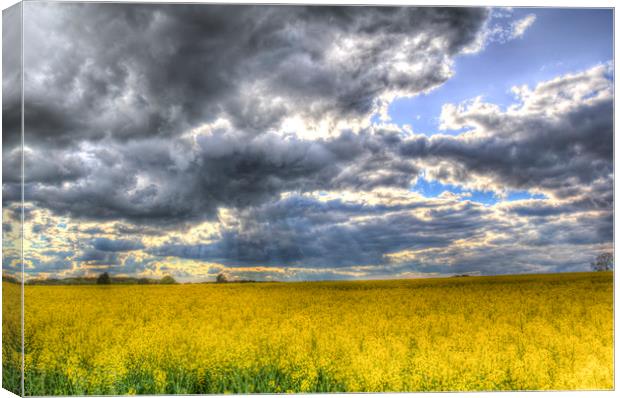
x,y
475,333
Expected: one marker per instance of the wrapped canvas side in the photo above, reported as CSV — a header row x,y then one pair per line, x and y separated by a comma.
x,y
12,201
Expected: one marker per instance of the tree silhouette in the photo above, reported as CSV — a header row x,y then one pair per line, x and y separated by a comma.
x,y
167,280
603,262
104,279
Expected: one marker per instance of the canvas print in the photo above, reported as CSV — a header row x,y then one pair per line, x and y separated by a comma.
x,y
212,199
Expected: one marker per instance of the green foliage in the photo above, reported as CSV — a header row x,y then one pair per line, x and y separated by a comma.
x,y
266,379
167,280
10,279
116,280
104,279
11,337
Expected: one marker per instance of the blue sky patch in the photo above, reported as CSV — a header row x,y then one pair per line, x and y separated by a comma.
x,y
560,41
433,188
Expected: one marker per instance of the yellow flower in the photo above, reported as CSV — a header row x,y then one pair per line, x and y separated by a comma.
x,y
462,334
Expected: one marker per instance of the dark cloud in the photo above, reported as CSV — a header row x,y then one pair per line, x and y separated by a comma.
x,y
564,154
304,232
156,118
104,128
52,266
7,227
119,245
92,231
94,257
534,209
55,260
175,182
11,78
176,66
442,236
137,230
133,265
559,140
11,105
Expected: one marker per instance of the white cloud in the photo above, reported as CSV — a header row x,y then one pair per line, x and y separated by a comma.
x,y
556,139
519,27
499,30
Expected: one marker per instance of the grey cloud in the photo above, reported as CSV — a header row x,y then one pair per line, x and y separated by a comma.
x,y
93,257
49,266
568,157
174,182
125,230
119,245
132,265
175,66
307,233
61,254
7,227
126,132
11,104
447,237
60,261
542,209
48,166
92,231
559,141
11,78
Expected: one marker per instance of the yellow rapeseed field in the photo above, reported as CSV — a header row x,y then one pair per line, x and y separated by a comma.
x,y
530,332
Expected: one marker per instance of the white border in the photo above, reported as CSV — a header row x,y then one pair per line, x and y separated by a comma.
x,y
496,3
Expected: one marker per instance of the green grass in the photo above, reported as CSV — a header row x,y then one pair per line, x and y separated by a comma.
x,y
180,381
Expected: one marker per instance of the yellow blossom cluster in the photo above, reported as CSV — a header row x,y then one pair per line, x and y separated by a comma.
x,y
529,332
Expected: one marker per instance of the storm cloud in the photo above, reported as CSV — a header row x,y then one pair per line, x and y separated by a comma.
x,y
174,67
256,141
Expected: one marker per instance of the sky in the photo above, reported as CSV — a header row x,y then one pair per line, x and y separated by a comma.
x,y
308,143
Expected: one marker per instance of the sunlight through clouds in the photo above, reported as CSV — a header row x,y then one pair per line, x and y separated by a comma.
x,y
270,150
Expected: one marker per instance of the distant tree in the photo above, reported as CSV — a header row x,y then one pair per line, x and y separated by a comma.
x,y
603,262
221,278
104,279
167,280
9,278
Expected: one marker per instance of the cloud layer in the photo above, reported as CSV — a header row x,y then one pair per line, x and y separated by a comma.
x,y
192,140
